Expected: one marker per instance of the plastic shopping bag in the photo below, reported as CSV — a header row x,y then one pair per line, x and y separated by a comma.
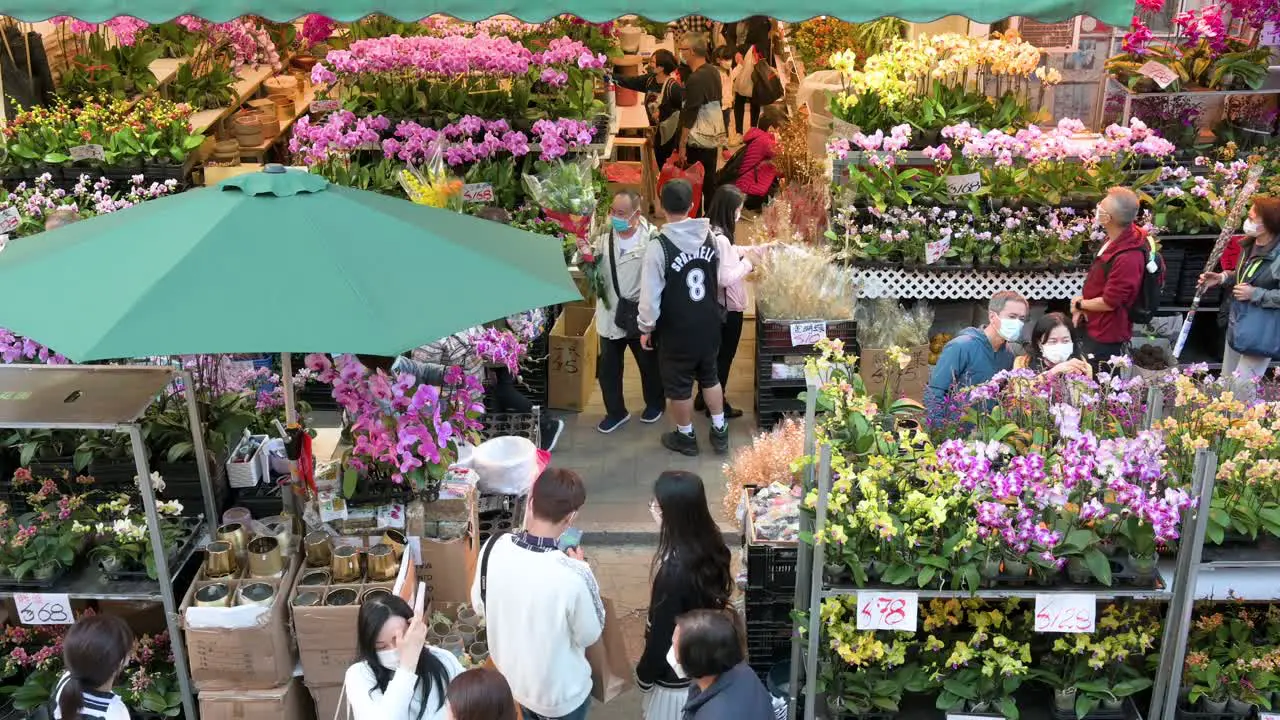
x,y
694,174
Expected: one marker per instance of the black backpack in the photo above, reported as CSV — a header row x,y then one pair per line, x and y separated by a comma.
x,y
732,168
1148,301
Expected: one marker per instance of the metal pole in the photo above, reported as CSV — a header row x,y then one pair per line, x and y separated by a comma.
x,y
211,516
286,377
1173,649
159,554
804,559
815,589
1155,406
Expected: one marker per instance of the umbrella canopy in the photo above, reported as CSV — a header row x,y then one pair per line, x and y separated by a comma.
x,y
272,262
1114,12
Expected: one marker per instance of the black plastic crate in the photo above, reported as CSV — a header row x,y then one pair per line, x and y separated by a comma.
x,y
767,643
764,606
1173,265
772,567
774,336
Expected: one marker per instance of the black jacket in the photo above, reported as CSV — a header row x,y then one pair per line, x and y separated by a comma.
x,y
758,32
672,595
736,695
702,87
652,89
1261,271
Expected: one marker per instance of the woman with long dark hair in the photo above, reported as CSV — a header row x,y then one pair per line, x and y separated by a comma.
x,y
94,651
724,212
1053,349
481,694
690,572
398,676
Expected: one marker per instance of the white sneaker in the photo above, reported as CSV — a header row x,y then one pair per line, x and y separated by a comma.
x,y
555,436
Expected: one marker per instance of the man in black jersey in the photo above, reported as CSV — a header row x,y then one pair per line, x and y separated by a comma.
x,y
680,314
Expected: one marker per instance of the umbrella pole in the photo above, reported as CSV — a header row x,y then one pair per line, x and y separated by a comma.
x,y
290,499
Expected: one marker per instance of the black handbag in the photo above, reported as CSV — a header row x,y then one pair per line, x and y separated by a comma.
x,y
626,314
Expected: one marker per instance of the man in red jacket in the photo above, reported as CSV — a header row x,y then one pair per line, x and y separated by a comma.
x,y
1114,280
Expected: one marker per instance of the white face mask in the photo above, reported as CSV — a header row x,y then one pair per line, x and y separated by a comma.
x,y
1251,228
389,659
1057,353
1010,328
671,660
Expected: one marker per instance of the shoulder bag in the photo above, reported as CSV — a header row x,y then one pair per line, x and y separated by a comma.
x,y
1255,330
667,128
626,313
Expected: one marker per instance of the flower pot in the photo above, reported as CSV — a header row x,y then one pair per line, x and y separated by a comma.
x,y
1213,706
978,707
1016,570
989,570
1078,572
1143,566
109,563
833,572
1112,705
873,569
1239,707
1065,699
45,572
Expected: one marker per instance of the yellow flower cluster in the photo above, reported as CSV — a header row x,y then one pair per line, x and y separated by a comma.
x,y
861,648
434,189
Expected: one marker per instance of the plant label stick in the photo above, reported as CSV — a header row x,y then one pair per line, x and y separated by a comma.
x,y
1228,229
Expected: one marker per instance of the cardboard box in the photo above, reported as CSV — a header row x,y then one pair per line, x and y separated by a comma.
x,y
241,648
875,371
325,698
449,566
571,364
288,702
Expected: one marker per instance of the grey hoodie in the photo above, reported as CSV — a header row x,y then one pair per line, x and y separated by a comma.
x,y
687,235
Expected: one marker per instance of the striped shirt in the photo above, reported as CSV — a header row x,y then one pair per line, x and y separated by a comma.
x,y
98,704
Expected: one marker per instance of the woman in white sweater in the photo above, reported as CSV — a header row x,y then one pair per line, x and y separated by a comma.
x,y
399,676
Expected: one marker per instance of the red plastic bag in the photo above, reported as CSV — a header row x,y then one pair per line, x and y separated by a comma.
x,y
694,174
579,225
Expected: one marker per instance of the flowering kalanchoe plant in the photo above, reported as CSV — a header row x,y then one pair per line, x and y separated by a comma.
x,y
408,431
150,682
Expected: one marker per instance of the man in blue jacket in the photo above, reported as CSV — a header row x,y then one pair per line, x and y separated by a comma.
x,y
976,354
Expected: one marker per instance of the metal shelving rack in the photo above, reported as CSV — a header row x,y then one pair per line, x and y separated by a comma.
x,y
113,397
1108,82
1178,579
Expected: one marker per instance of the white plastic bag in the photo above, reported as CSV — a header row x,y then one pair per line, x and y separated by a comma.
x,y
506,465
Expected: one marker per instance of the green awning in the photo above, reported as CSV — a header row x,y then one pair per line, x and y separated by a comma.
x,y
1113,12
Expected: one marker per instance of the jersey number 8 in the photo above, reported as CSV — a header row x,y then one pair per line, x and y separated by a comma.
x,y
697,282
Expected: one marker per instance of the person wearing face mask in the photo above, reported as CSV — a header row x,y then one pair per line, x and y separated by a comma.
x,y
542,604
707,648
723,56
399,676
664,96
690,571
622,249
1052,350
1114,281
976,354
1254,289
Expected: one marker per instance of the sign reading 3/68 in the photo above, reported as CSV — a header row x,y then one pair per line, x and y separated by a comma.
x,y
44,609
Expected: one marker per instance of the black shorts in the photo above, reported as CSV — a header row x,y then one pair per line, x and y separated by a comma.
x,y
680,370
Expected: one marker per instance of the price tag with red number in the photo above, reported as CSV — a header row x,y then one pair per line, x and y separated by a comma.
x,y
1066,613
887,610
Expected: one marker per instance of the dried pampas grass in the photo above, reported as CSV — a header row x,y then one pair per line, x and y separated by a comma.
x,y
797,214
764,462
792,159
804,283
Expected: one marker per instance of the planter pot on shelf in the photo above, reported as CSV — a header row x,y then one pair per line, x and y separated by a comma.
x,y
873,570
1111,705
109,564
1239,707
834,573
45,572
1144,567
978,707
1213,706
1017,571
989,571
1065,699
1078,572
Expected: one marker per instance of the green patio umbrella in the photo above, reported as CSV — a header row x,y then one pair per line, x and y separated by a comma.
x,y
273,261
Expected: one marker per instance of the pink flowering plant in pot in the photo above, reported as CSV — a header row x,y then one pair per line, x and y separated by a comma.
x,y
403,432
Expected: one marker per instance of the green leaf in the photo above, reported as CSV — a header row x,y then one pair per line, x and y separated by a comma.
x,y
960,688
1099,565
1125,688
1085,704
898,574
1008,709
926,576
349,479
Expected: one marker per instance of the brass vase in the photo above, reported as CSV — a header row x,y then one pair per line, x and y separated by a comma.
x,y
215,595
372,593
315,578
340,597
396,540
257,593
265,559
307,599
220,559
319,548
345,567
381,560
236,534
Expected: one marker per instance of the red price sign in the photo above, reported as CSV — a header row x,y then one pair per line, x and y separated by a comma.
x,y
887,610
478,193
1068,613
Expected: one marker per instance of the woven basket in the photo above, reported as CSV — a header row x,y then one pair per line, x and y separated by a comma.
x,y
282,85
284,107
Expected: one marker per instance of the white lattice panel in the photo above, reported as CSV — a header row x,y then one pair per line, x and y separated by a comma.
x,y
968,284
